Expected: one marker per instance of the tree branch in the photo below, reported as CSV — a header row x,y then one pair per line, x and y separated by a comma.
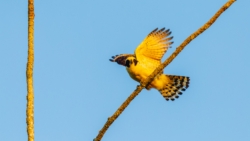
x,y
160,68
29,72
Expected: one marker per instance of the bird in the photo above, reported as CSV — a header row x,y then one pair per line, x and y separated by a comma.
x,y
147,57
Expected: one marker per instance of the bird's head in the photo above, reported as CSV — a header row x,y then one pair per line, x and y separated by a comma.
x,y
124,59
131,60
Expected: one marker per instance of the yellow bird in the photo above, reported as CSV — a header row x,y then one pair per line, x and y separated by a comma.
x,y
147,58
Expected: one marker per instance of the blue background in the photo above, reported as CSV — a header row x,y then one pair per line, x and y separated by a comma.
x,y
77,88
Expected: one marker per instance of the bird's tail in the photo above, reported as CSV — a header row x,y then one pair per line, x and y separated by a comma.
x,y
175,87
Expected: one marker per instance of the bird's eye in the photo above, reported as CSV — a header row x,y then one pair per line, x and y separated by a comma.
x,y
127,63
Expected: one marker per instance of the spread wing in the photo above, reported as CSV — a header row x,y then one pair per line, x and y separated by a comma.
x,y
153,47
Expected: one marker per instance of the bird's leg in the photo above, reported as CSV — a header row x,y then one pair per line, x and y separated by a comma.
x,y
148,87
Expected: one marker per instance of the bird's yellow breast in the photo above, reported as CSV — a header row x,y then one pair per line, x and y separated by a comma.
x,y
138,72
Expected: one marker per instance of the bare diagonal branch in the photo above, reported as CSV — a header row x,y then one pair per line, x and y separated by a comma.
x,y
29,72
160,68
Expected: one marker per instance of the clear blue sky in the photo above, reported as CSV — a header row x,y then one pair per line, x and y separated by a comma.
x,y
77,88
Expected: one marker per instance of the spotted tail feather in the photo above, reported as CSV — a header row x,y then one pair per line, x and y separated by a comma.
x,y
173,89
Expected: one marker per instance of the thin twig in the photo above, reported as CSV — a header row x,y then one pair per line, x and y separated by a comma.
x,y
160,68
29,72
